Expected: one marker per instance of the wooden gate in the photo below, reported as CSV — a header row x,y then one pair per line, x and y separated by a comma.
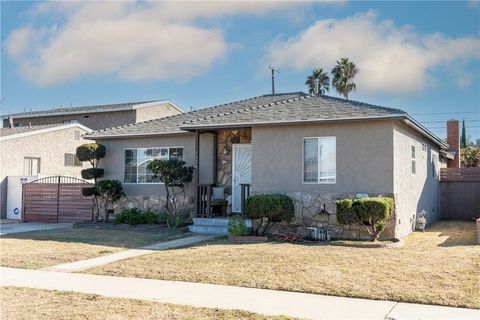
x,y
56,199
460,193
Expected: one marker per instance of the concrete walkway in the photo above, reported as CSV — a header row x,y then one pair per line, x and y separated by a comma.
x,y
99,261
9,228
268,302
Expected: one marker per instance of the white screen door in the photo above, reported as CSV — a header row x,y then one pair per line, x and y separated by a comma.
x,y
241,171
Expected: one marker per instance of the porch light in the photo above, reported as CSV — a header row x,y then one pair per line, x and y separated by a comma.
x,y
226,150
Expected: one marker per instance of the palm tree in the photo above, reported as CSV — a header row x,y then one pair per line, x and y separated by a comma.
x,y
343,74
323,81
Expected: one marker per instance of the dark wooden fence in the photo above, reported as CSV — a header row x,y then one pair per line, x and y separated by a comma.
x,y
460,193
56,199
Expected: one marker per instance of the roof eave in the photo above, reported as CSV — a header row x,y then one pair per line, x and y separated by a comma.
x,y
410,121
133,135
286,122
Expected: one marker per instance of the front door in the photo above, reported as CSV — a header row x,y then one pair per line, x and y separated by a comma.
x,y
241,172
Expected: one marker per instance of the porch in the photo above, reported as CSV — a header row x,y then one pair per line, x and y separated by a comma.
x,y
230,184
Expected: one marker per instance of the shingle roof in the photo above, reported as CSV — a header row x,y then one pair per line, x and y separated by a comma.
x,y
173,124
16,130
297,109
85,109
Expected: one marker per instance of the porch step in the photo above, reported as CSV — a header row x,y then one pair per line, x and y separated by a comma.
x,y
208,229
213,225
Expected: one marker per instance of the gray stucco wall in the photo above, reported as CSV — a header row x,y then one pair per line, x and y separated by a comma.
x,y
364,157
414,192
114,160
50,147
155,112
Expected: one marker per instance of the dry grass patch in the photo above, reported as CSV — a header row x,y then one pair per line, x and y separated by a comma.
x,y
26,303
38,249
440,266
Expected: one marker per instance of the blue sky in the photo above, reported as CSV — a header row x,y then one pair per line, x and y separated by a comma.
x,y
423,57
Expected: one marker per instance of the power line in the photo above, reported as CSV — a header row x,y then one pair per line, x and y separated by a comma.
x,y
434,113
445,121
445,127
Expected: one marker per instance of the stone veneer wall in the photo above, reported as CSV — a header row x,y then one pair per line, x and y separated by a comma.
x,y
226,138
154,202
319,210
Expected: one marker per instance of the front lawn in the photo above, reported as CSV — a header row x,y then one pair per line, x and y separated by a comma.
x,y
38,249
26,303
440,266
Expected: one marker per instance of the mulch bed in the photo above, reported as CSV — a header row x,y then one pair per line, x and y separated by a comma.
x,y
141,227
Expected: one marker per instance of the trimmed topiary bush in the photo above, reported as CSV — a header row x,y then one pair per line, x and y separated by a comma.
x,y
92,173
131,216
269,209
371,213
344,211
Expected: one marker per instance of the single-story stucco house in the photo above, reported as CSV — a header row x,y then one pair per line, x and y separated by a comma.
x,y
314,148
38,151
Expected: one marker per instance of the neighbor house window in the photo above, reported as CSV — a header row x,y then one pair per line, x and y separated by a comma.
x,y
71,160
137,160
31,166
414,161
434,165
319,160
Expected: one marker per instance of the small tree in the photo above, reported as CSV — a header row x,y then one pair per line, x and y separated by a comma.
x,y
470,157
175,176
91,153
371,213
109,191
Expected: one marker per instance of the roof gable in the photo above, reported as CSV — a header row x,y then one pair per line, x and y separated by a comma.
x,y
19,132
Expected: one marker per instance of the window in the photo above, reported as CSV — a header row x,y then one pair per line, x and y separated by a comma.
x,y
319,160
31,166
18,124
70,121
76,135
71,160
137,160
414,161
424,147
434,165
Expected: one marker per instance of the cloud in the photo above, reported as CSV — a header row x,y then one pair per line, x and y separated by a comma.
x,y
390,58
132,40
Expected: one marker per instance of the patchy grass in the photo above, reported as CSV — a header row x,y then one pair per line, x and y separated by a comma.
x,y
38,249
45,304
440,266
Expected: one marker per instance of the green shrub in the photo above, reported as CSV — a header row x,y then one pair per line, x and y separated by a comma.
x,y
131,216
344,211
237,226
92,173
89,191
269,208
171,220
90,152
372,213
151,217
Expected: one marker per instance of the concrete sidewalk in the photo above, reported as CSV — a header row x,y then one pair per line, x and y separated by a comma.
x,y
103,260
268,302
9,228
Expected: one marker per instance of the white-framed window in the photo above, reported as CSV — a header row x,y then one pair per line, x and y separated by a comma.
x,y
137,159
414,161
31,166
424,147
66,121
434,165
319,160
71,160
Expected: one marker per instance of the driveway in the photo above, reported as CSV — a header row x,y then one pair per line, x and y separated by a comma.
x,y
9,228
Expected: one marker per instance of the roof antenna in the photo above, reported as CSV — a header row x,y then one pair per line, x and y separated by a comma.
x,y
273,77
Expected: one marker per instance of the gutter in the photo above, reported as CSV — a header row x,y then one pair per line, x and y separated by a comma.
x,y
411,122
135,135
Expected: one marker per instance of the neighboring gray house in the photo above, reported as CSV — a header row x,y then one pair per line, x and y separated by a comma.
x,y
96,117
39,151
314,148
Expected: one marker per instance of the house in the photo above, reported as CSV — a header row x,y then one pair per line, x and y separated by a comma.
x,y
39,151
95,117
314,148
